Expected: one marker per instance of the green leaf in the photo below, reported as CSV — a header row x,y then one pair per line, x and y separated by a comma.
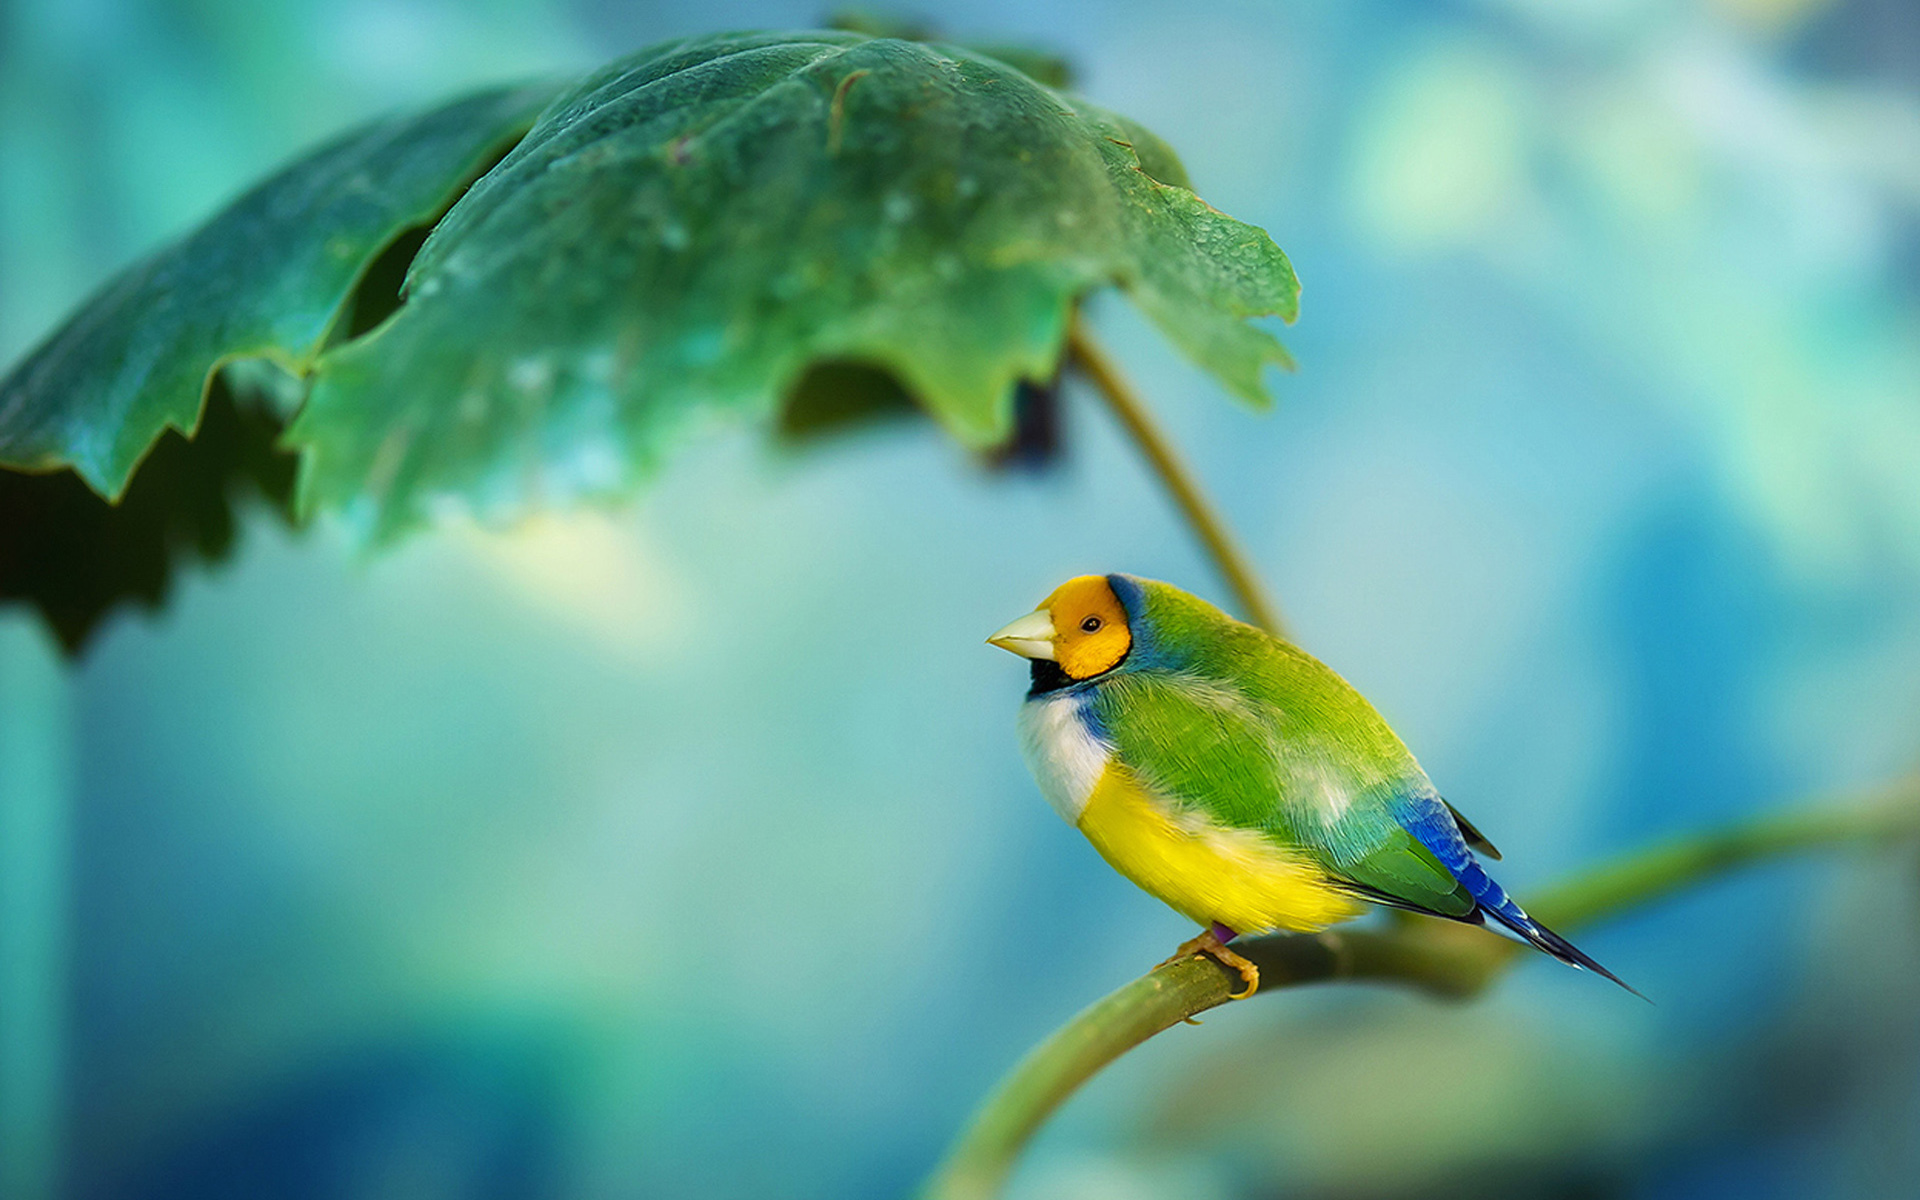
x,y
1036,64
687,231
266,278
682,237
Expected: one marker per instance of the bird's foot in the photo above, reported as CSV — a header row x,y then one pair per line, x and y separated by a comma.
x,y
1210,945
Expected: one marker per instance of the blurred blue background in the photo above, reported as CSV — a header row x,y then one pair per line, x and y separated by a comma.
x,y
685,850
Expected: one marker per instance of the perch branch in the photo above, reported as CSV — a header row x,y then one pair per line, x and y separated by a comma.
x,y
1181,484
1441,957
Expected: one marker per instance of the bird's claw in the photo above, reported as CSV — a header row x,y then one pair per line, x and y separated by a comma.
x,y
1209,945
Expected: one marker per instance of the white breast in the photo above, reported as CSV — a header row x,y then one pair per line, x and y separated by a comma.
x,y
1062,752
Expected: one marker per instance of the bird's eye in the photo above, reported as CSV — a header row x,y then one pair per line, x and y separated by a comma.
x,y
1091,625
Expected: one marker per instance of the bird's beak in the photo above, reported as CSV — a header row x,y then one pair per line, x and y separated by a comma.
x,y
1029,637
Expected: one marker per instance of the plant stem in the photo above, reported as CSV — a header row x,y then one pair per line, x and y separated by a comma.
x,y
1440,956
1889,813
1181,484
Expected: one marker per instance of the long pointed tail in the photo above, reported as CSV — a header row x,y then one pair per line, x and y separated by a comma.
x,y
1499,913
1538,935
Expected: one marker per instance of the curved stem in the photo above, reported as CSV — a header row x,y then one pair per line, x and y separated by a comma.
x,y
1181,484
1438,956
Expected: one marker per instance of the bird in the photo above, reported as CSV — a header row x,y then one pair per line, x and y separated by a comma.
x,y
1237,778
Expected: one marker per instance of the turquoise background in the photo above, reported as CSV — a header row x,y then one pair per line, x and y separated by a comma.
x,y
685,849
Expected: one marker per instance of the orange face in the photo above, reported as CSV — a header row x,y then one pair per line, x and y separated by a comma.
x,y
1090,627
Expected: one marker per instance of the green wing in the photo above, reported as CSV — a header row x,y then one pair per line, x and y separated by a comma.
x,y
1405,874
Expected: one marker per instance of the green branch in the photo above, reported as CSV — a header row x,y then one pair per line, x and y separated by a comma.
x,y
1216,538
1439,956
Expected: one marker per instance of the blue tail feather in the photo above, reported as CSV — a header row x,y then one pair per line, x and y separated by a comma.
x,y
1494,909
1494,902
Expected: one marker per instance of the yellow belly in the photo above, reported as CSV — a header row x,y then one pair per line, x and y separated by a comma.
x,y
1204,870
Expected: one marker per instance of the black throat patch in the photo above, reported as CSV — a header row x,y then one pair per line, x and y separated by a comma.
x,y
1047,677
